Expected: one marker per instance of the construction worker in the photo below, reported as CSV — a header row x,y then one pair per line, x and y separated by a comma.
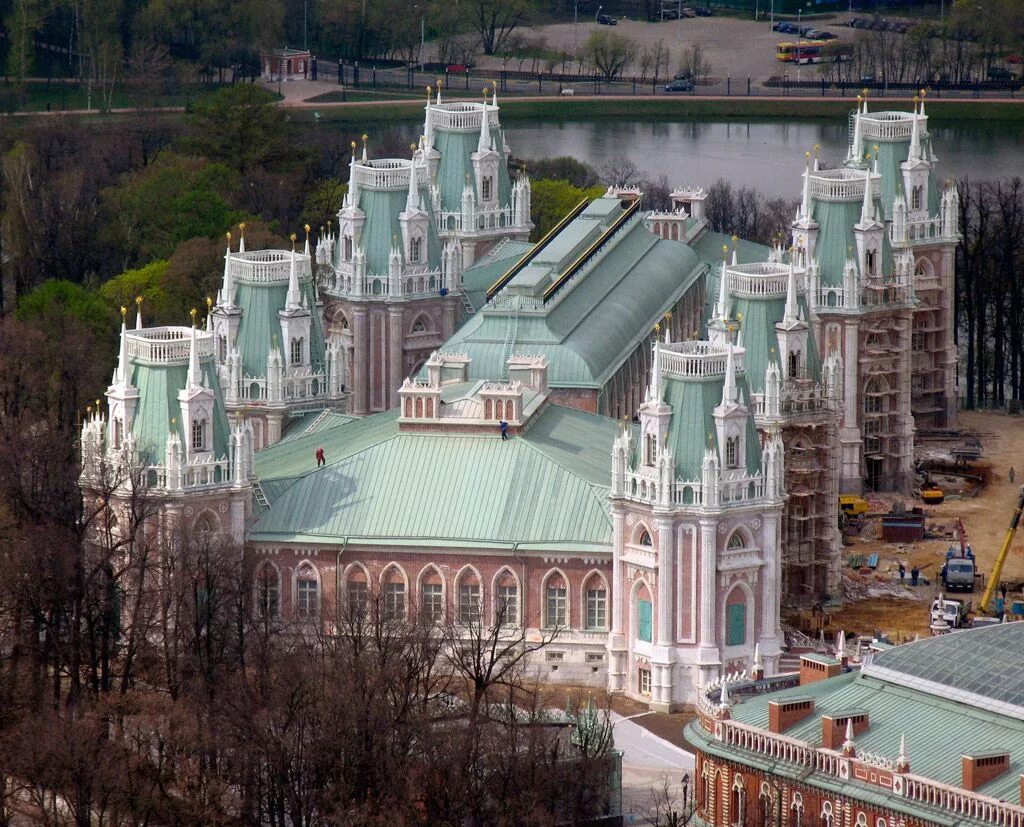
x,y
504,429
320,458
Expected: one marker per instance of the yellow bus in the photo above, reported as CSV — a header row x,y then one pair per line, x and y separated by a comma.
x,y
803,52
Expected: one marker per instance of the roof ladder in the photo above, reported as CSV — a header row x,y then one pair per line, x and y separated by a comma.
x,y
466,303
318,421
510,336
258,494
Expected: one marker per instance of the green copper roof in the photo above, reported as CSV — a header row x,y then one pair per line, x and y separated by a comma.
x,y
455,169
692,429
488,269
158,386
260,325
891,154
708,246
592,326
544,489
836,240
296,426
761,341
382,229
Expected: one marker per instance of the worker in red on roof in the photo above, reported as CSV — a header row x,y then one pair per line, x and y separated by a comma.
x,y
320,459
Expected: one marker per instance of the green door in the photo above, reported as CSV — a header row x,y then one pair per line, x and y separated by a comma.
x,y
736,627
643,610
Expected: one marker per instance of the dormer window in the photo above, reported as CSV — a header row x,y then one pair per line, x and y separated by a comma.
x,y
486,185
198,434
916,198
296,353
732,452
348,248
794,364
416,250
871,261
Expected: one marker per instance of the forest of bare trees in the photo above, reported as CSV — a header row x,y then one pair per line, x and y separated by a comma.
x,y
144,680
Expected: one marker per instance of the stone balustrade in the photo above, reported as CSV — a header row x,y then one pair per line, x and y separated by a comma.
x,y
889,126
842,184
698,360
268,267
167,345
461,116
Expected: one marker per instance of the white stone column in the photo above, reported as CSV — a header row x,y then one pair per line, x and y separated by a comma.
x,y
666,577
617,649
708,590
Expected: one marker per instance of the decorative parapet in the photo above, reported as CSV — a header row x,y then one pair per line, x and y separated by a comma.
x,y
889,126
387,174
268,267
462,116
167,345
763,280
481,220
698,360
643,486
842,184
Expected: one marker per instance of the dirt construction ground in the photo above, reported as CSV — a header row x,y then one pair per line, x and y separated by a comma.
x,y
986,518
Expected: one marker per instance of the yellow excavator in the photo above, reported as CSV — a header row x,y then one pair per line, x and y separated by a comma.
x,y
986,607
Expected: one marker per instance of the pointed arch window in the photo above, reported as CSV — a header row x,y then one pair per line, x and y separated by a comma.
x,y
348,248
198,434
432,597
394,596
118,431
738,801
645,538
222,348
307,593
419,326
794,364
357,594
416,250
296,349
506,601
556,602
916,197
827,818
872,398
469,598
871,262
597,604
797,811
268,592
650,449
732,452
486,186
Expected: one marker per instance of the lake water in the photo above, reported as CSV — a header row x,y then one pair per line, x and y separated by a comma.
x,y
766,155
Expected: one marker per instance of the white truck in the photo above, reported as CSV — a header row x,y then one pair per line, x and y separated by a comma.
x,y
947,614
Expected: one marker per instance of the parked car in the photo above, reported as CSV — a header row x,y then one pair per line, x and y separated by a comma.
x,y
803,30
703,11
785,28
680,85
820,34
999,73
669,14
858,23
867,79
686,11
607,20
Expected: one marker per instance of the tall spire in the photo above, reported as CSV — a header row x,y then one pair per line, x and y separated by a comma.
x,y
790,316
485,128
227,290
365,139
428,131
655,391
122,356
805,202
294,298
412,201
722,308
194,379
867,208
305,250
729,392
138,312
241,237
353,186
856,152
915,137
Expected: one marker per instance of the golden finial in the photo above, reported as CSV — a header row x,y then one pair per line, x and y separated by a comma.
x,y
486,92
711,437
88,409
193,313
657,327
917,100
429,91
97,404
440,83
817,149
807,155
859,99
694,334
306,228
731,328
923,93
739,317
293,236
725,249
241,226
124,312
735,238
668,316
864,91
174,421
412,147
353,147
365,138
875,147
771,350
227,235
138,301
209,304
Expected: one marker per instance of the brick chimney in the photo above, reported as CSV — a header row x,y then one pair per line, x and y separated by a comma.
x,y
783,714
978,770
833,727
814,668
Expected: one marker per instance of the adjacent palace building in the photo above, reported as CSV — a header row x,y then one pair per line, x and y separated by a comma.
x,y
928,733
680,410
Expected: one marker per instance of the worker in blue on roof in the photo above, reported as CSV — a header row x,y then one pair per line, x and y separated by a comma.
x,y
504,429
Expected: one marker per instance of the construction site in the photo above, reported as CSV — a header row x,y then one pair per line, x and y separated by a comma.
x,y
897,548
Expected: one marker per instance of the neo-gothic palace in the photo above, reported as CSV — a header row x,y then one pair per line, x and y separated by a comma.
x,y
680,410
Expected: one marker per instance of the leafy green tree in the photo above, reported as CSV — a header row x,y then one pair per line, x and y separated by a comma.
x,y
323,203
147,282
551,200
170,201
63,298
241,127
609,52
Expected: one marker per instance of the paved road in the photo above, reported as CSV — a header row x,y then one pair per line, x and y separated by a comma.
x,y
652,768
